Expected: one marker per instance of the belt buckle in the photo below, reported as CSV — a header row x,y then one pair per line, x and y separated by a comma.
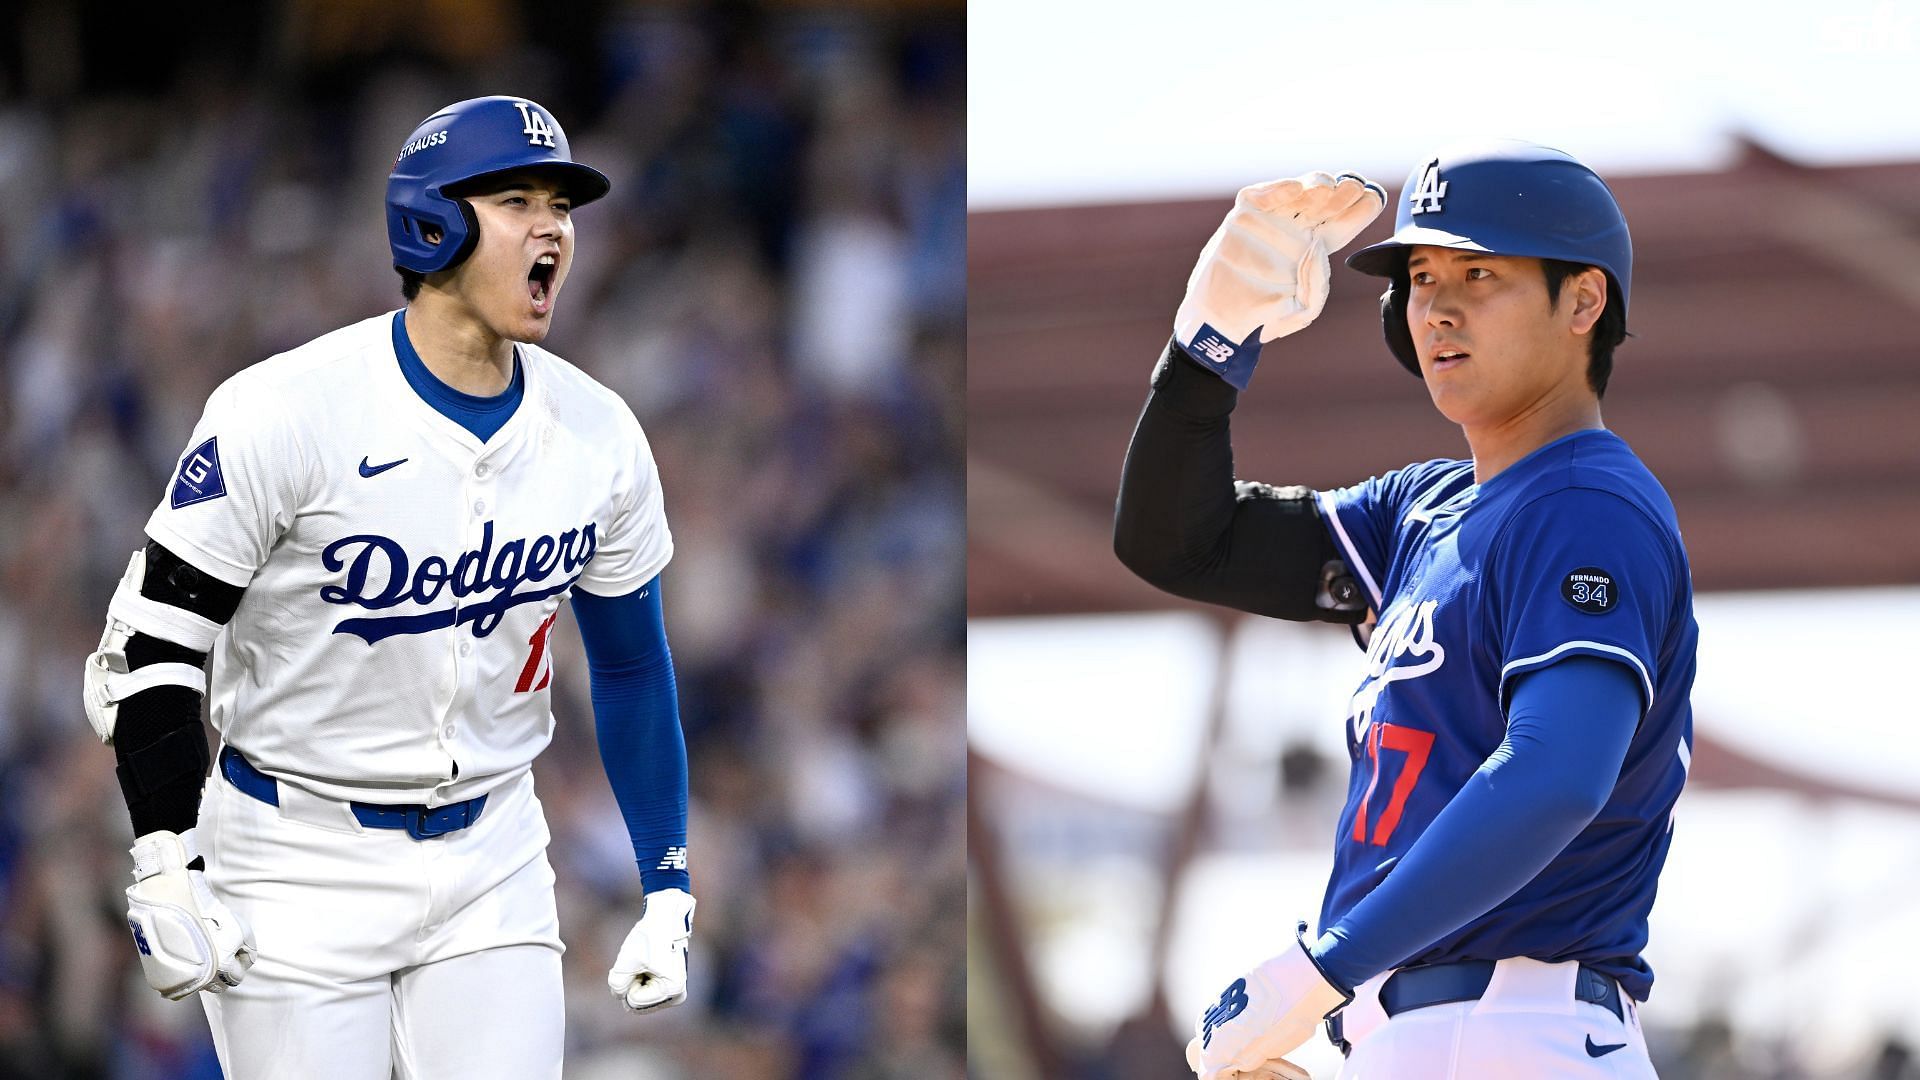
x,y
421,826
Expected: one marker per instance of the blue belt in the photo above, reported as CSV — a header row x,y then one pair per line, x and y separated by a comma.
x,y
421,823
1467,980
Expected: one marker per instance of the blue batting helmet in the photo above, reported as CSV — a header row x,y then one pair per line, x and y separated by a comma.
x,y
462,142
1503,197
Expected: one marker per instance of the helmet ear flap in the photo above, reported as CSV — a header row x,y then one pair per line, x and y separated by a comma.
x,y
1393,324
458,237
470,236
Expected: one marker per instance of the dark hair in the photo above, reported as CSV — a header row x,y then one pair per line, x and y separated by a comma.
x,y
1608,332
410,282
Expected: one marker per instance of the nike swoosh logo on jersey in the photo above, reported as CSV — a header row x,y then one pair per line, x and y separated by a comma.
x,y
376,470
1602,1051
1425,513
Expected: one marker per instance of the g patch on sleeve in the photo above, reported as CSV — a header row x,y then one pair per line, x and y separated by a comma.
x,y
199,477
1591,589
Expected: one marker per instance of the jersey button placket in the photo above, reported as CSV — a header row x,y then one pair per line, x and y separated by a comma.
x,y
477,486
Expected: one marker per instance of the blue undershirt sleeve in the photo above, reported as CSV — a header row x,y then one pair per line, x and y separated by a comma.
x,y
636,715
1568,728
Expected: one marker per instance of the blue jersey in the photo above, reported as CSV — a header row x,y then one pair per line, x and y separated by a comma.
x,y
1571,551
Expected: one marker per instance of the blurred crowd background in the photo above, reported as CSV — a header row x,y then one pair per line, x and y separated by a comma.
x,y
776,285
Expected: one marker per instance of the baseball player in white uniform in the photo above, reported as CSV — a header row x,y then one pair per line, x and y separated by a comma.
x,y
371,536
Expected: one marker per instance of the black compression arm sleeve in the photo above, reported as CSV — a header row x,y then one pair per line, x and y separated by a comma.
x,y
158,740
1185,526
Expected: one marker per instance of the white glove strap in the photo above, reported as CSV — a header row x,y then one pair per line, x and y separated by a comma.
x,y
668,912
159,852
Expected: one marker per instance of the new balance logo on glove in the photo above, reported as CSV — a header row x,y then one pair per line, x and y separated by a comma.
x,y
1233,1002
1265,272
1217,350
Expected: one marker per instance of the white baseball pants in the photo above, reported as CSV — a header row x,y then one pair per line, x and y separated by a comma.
x,y
1527,1026
381,955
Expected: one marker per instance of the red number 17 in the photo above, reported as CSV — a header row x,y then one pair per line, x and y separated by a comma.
x,y
1414,743
534,666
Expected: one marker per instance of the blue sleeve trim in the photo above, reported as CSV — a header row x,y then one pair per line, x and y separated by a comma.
x,y
636,713
1567,735
1565,650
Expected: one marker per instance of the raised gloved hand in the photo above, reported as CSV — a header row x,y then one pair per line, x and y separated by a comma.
x,y
1262,1018
651,971
1265,273
188,940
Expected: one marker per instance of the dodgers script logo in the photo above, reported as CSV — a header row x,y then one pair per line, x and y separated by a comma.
x,y
1403,647
380,575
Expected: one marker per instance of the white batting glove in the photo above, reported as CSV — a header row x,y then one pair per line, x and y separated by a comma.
x,y
188,940
1262,1018
651,971
1265,273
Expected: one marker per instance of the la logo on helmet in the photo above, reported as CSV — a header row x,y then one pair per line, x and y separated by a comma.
x,y
1426,194
536,131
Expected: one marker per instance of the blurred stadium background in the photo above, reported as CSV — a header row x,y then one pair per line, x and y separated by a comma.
x,y
776,286
1154,784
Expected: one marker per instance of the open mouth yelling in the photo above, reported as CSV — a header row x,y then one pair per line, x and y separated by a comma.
x,y
540,283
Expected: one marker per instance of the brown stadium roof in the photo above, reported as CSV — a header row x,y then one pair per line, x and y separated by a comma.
x,y
1773,382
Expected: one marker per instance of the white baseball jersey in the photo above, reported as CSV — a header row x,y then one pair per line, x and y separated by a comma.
x,y
401,576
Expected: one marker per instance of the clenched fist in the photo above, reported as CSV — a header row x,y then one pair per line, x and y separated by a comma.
x,y
1265,273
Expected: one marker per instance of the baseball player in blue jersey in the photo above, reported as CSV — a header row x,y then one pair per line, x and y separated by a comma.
x,y
371,536
1521,730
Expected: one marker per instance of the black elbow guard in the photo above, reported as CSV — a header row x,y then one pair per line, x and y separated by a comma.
x,y
145,684
1294,536
172,580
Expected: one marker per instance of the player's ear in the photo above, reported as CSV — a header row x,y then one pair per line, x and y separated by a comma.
x,y
431,234
1588,292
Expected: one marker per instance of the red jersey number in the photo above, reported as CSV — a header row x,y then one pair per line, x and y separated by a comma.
x,y
1414,743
